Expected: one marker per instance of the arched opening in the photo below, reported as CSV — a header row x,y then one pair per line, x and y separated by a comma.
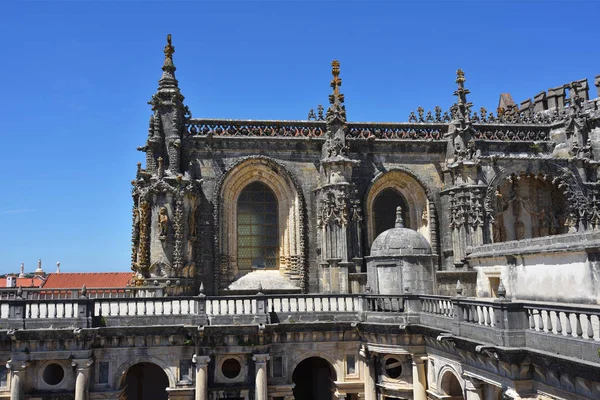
x,y
528,206
257,226
450,386
146,381
384,210
390,190
313,378
264,192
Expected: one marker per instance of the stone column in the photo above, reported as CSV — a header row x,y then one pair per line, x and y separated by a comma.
x,y
473,388
201,376
419,380
17,372
82,379
369,377
261,376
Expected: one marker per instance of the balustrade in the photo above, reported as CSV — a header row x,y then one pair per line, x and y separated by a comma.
x,y
567,320
438,305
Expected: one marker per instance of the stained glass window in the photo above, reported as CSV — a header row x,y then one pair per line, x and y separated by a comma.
x,y
384,210
257,225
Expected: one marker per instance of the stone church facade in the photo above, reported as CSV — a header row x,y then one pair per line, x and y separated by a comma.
x,y
453,256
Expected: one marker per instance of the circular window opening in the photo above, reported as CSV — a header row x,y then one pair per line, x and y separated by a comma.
x,y
231,368
53,374
393,368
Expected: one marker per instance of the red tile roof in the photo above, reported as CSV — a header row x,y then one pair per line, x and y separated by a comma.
x,y
89,279
24,282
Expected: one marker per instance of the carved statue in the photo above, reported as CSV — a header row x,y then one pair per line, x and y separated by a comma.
x,y
498,229
544,223
192,220
163,221
519,230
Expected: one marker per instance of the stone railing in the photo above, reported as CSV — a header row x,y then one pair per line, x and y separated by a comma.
x,y
397,131
255,128
74,293
512,132
362,130
570,330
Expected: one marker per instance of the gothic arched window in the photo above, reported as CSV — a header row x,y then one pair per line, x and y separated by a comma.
x,y
257,228
384,210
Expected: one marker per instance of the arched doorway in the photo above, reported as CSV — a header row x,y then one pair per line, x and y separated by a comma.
x,y
450,386
312,378
146,381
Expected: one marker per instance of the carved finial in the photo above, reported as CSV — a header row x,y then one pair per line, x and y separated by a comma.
x,y
460,76
461,110
336,82
320,110
336,110
39,270
311,115
260,288
201,291
58,267
22,274
459,288
167,80
83,291
501,290
399,220
161,168
169,50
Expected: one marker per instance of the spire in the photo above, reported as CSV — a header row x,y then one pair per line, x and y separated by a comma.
x,y
167,80
337,110
22,274
399,219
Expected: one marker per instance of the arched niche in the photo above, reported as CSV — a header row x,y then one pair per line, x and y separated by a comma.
x,y
561,198
528,206
290,218
413,192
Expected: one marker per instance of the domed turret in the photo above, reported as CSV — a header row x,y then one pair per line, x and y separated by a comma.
x,y
401,259
400,241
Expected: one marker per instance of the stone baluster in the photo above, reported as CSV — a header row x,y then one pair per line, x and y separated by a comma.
x,y
419,379
17,372
201,376
473,388
261,376
82,379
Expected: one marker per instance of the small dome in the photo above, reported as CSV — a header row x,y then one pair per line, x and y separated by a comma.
x,y
400,241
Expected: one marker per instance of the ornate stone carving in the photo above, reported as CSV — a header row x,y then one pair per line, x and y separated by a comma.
x,y
178,228
144,244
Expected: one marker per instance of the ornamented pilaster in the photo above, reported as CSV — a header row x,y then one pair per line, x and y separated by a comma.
x,y
339,218
464,194
473,388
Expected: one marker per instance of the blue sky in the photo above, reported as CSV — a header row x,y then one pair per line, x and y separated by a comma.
x,y
76,77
